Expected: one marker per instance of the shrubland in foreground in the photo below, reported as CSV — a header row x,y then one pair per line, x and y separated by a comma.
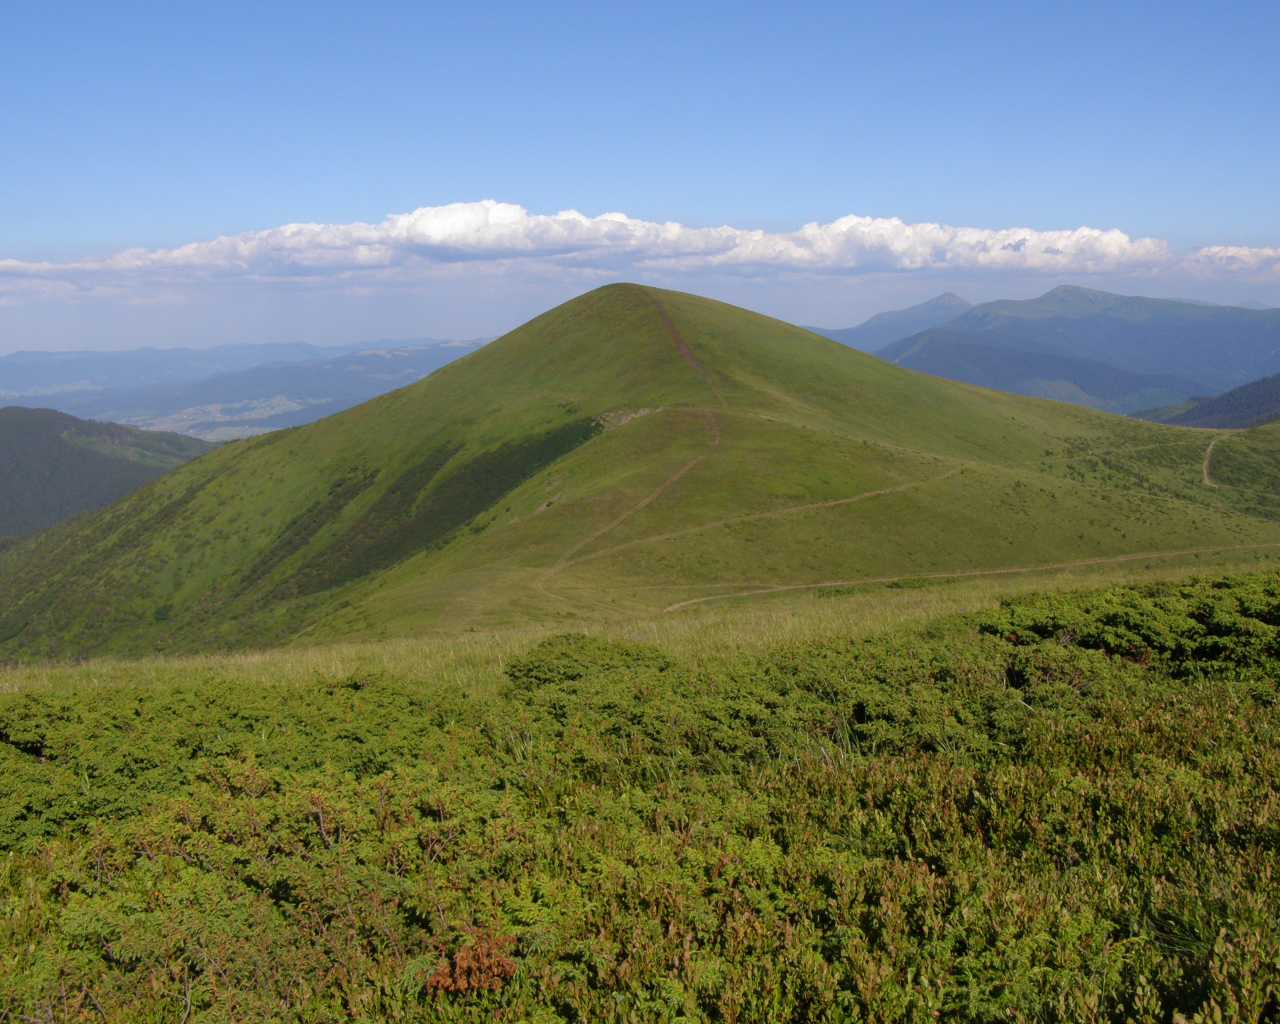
x,y
1064,809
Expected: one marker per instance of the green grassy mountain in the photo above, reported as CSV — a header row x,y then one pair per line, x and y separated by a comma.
x,y
53,465
1252,403
886,328
1223,346
959,356
630,452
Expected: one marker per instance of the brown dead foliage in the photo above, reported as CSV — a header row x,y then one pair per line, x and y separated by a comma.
x,y
483,965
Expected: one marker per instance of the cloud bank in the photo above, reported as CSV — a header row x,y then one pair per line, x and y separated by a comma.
x,y
490,237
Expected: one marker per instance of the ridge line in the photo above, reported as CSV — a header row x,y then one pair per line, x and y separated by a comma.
x,y
683,345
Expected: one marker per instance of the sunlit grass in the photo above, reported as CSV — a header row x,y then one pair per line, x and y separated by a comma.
x,y
474,660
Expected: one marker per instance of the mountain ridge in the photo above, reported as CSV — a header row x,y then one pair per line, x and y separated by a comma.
x,y
1223,346
629,451
984,360
1218,346
890,326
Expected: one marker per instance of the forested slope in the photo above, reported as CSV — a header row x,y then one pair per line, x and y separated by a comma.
x,y
53,465
1245,406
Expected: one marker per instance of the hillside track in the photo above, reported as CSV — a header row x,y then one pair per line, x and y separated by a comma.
x,y
540,585
971,572
1208,481
776,513
683,345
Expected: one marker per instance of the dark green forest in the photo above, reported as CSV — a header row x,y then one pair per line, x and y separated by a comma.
x,y
1063,809
1255,402
53,465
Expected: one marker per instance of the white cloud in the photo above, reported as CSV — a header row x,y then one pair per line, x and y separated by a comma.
x,y
501,237
1234,258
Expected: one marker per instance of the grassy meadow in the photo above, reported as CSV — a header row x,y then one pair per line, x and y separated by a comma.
x,y
475,659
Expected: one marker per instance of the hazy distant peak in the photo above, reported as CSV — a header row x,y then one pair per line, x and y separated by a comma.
x,y
1083,296
1072,302
946,302
885,328
1076,291
1071,298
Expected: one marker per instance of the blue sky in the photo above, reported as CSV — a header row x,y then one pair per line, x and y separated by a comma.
x,y
159,126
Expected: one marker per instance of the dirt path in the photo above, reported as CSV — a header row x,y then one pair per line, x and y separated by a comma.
x,y
969,572
687,353
683,346
563,559
764,515
1207,456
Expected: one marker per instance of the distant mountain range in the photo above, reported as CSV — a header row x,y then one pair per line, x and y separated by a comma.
x,y
28,374
1120,353
53,465
959,356
1220,346
886,328
172,389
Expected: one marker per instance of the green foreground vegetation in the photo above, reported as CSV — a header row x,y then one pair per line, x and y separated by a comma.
x,y
1061,807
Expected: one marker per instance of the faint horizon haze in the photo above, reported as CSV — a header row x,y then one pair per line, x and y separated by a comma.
x,y
181,175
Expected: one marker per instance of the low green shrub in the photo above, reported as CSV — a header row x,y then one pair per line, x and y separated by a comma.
x,y
1066,809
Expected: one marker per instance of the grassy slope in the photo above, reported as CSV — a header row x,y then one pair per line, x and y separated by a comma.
x,y
53,465
776,430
